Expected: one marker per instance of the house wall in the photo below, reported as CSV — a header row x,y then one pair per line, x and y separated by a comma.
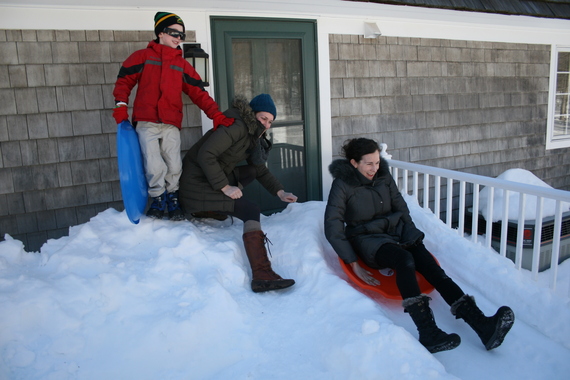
x,y
57,135
58,165
479,107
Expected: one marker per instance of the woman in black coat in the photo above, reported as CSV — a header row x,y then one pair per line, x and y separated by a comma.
x,y
213,178
366,217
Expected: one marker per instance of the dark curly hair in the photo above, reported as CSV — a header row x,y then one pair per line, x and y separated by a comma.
x,y
354,149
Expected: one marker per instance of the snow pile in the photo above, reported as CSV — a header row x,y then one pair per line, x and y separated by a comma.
x,y
171,300
521,176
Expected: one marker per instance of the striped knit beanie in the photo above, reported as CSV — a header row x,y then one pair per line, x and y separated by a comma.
x,y
164,20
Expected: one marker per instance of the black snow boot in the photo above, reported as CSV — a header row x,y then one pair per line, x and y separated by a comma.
x,y
174,210
157,207
491,330
432,338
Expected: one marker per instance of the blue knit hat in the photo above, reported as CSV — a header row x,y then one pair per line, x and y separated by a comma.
x,y
263,103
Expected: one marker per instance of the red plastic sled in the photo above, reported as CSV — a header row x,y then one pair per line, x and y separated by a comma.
x,y
387,278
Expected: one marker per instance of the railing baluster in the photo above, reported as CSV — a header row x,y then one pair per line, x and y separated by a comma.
x,y
461,227
505,223
405,181
520,231
556,244
415,184
449,211
475,213
489,220
437,197
537,237
426,190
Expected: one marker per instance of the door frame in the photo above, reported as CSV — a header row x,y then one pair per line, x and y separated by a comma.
x,y
224,29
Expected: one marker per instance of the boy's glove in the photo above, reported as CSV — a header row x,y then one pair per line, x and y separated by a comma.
x,y
120,113
221,119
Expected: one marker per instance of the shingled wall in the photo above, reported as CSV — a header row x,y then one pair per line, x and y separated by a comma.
x,y
478,107
58,165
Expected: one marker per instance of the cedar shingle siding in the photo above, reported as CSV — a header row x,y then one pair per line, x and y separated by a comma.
x,y
58,161
477,107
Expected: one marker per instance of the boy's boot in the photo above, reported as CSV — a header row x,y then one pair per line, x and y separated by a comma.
x,y
174,210
263,277
491,330
157,207
431,336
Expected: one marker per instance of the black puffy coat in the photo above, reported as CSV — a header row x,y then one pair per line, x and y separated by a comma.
x,y
361,214
209,165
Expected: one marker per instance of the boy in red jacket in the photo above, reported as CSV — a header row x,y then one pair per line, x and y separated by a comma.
x,y
162,75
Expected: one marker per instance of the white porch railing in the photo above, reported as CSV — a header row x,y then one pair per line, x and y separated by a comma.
x,y
453,195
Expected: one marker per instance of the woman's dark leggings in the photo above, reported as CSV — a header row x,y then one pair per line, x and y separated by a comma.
x,y
417,258
243,209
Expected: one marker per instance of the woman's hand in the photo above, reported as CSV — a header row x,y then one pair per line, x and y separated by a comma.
x,y
286,197
233,192
363,274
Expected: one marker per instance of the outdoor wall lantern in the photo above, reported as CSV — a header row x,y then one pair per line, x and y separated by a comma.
x,y
199,59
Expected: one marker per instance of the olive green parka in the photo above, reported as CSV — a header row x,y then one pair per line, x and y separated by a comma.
x,y
209,165
362,215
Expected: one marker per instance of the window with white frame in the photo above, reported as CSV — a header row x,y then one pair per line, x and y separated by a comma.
x,y
558,126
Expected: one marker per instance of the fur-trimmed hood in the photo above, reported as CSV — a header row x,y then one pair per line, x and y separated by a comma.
x,y
210,163
342,169
246,114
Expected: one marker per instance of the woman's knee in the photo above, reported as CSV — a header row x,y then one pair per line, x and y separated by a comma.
x,y
246,210
394,257
406,261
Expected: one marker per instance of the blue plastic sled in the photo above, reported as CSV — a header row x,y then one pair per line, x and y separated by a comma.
x,y
131,171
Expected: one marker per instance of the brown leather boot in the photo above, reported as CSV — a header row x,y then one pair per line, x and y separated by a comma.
x,y
263,277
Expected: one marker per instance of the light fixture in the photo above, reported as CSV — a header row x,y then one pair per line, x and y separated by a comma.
x,y
199,59
371,30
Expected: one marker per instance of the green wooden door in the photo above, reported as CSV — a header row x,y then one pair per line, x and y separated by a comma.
x,y
277,57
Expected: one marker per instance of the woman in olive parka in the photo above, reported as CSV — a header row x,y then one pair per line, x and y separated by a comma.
x,y
211,183
366,217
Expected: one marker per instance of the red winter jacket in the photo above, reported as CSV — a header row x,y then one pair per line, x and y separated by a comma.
x,y
162,74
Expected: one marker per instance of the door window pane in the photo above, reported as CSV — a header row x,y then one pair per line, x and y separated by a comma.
x,y
274,66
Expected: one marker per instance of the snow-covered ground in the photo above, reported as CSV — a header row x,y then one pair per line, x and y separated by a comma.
x,y
171,300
